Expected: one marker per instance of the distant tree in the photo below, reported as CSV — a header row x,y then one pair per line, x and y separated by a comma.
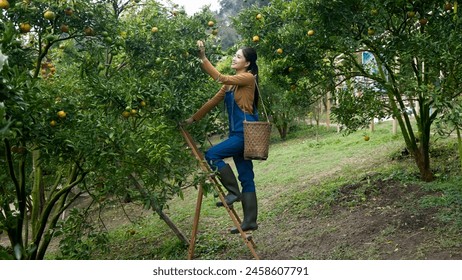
x,y
228,10
327,38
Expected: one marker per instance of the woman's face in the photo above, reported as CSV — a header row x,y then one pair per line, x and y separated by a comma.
x,y
239,62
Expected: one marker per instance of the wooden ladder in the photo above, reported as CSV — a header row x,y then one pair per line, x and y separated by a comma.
x,y
246,236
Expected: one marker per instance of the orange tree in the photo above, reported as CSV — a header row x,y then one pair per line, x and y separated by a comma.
x,y
143,87
414,44
414,49
294,75
29,212
90,101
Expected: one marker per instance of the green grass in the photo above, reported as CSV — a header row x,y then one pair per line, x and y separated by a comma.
x,y
301,183
448,200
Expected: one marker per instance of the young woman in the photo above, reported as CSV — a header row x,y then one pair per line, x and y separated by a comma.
x,y
240,95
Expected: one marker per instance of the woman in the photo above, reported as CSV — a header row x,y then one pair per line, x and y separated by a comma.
x,y
240,95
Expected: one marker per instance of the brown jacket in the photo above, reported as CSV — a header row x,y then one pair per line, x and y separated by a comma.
x,y
244,89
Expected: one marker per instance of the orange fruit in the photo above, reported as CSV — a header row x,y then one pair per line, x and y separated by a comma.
x,y
50,15
24,27
64,28
62,114
68,11
4,4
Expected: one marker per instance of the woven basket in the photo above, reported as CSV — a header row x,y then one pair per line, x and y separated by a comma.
x,y
256,140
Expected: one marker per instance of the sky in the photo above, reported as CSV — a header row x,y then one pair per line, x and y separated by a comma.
x,y
193,6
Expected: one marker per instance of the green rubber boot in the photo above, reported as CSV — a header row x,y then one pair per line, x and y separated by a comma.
x,y
250,208
228,180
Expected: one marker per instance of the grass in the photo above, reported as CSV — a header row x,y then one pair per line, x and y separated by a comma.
x,y
322,195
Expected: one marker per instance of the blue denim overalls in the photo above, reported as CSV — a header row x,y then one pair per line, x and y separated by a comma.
x,y
234,145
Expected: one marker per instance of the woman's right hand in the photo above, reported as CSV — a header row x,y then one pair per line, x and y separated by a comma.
x,y
189,121
201,49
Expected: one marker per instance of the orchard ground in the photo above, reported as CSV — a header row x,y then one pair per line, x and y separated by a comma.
x,y
322,195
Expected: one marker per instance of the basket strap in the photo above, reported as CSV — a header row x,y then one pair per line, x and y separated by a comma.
x,y
261,98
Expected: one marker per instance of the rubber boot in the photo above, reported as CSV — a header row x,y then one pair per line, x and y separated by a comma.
x,y
228,180
250,208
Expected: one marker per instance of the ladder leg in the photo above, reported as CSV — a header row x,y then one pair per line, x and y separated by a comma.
x,y
192,242
231,211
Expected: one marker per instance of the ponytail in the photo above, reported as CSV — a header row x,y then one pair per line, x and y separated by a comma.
x,y
250,55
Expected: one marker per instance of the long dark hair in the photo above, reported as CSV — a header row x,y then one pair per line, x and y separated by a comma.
x,y
250,55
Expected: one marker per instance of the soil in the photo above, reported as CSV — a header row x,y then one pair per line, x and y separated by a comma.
x,y
372,219
385,225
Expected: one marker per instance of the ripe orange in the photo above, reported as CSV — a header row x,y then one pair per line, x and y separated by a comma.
x,y
88,31
68,11
256,38
62,114
64,28
4,4
279,51
53,123
126,114
259,16
50,15
24,27
448,6
154,29
211,23
310,32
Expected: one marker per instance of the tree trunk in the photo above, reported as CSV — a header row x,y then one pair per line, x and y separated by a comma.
x,y
172,226
282,129
15,229
158,210
424,122
423,163
328,110
421,152
459,144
